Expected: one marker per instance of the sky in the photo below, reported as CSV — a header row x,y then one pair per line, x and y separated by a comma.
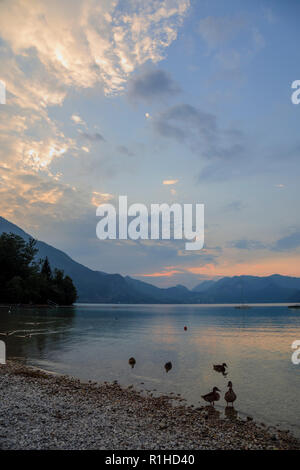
x,y
163,101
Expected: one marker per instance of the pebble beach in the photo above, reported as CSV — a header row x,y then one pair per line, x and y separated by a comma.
x,y
41,410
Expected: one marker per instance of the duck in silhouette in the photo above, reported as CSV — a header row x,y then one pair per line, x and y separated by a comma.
x,y
212,396
220,368
168,366
132,362
230,396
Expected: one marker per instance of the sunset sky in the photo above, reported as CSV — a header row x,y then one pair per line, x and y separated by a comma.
x,y
163,101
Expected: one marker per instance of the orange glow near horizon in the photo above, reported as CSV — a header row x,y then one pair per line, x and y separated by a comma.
x,y
287,266
161,274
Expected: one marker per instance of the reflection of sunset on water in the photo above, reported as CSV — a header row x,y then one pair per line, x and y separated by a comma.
x,y
255,344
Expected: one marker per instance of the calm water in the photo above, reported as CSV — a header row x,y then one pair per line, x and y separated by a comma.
x,y
94,342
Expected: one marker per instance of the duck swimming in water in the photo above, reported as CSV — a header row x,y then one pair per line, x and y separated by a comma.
x,y
212,396
132,362
230,396
220,367
168,366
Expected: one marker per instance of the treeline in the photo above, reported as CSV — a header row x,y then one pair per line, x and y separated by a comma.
x,y
24,280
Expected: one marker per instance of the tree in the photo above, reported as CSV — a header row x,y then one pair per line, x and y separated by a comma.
x,y
23,280
64,291
46,269
70,292
16,257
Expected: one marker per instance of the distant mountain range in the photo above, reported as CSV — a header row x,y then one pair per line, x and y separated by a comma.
x,y
96,286
239,289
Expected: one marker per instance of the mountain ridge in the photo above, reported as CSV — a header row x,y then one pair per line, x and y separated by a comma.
x,y
100,287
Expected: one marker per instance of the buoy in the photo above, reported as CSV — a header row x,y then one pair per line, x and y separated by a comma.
x,y
185,328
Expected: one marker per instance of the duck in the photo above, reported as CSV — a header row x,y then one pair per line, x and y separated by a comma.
x,y
212,396
132,362
168,366
220,367
230,396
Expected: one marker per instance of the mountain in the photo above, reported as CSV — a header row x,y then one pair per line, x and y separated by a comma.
x,y
203,286
238,289
178,294
97,286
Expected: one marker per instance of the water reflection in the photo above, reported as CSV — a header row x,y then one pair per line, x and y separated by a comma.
x,y
30,333
231,413
95,342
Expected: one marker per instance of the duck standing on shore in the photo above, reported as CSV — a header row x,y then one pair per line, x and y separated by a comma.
x,y
230,396
168,366
132,362
212,396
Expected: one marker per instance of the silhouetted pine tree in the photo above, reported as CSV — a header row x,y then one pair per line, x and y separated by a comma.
x,y
23,280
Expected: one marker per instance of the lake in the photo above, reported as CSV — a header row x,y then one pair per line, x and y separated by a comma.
x,y
94,342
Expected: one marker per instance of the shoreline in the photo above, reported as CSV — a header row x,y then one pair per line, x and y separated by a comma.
x,y
33,306
42,410
292,305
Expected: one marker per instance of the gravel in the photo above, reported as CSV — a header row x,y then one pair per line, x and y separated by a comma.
x,y
40,410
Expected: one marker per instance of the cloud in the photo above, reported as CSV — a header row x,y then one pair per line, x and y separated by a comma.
x,y
178,121
244,244
100,42
234,206
31,196
231,41
125,151
35,150
153,84
167,272
96,137
187,124
215,31
77,119
290,242
168,182
100,198
229,60
46,53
